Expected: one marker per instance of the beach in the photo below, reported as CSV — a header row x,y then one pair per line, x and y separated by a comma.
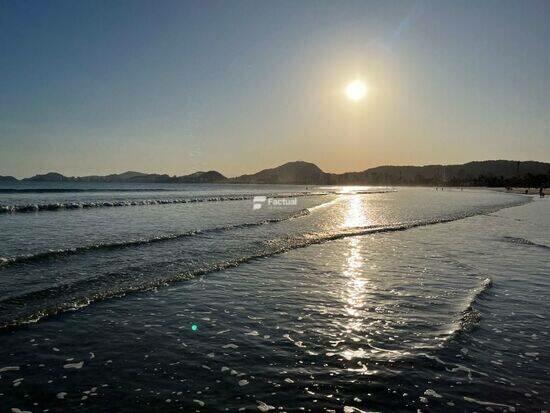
x,y
353,299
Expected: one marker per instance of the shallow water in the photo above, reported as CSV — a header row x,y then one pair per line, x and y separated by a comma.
x,y
396,301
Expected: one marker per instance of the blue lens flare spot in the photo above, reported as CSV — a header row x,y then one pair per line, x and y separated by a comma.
x,y
194,327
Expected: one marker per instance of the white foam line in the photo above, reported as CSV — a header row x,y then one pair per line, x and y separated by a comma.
x,y
482,403
323,205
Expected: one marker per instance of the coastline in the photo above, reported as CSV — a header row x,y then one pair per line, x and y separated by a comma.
x,y
520,191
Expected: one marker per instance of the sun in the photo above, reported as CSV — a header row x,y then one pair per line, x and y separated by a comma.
x,y
356,90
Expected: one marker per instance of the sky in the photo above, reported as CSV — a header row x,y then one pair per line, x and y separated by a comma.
x,y
97,87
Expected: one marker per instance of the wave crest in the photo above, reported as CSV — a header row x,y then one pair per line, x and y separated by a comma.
x,y
471,316
57,206
53,254
523,241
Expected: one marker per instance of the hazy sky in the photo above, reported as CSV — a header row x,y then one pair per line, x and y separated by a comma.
x,y
173,87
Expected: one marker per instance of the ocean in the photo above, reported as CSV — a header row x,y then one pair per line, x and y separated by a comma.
x,y
211,298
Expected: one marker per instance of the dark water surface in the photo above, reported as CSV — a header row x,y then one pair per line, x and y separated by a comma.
x,y
347,301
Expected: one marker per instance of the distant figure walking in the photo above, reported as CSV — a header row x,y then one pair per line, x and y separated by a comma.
x,y
541,192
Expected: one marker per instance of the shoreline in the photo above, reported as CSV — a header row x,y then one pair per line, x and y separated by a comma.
x,y
521,191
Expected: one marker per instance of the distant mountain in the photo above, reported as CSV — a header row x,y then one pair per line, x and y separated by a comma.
x,y
49,177
148,178
7,179
298,172
484,173
479,173
123,177
134,177
202,177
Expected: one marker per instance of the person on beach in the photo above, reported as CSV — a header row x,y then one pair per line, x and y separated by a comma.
x,y
541,192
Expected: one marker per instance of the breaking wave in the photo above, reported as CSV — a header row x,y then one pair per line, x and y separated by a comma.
x,y
53,254
139,202
471,316
64,206
79,190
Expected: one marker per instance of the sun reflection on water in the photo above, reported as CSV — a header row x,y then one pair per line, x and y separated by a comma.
x,y
356,284
355,216
368,334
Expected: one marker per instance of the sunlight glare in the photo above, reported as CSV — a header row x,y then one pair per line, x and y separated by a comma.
x,y
356,90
